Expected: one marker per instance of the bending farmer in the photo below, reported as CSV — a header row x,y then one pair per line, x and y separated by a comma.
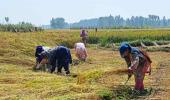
x,y
138,63
58,57
81,52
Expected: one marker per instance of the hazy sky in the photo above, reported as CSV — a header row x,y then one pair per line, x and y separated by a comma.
x,y
41,11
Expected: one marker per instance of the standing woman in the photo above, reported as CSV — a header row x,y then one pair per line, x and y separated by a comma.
x,y
84,35
138,63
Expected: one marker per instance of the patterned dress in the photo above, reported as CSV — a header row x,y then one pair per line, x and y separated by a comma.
x,y
139,64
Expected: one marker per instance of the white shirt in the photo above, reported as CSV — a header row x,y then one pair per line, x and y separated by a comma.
x,y
80,50
80,45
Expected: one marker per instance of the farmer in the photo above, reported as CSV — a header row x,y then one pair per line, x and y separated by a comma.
x,y
84,35
38,51
81,52
138,63
58,57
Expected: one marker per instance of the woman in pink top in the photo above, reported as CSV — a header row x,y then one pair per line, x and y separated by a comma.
x,y
84,35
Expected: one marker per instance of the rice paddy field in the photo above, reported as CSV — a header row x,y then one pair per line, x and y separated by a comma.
x,y
101,77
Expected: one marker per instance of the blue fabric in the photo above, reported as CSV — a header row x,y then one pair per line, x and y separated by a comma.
x,y
124,46
136,52
60,54
38,51
60,65
38,59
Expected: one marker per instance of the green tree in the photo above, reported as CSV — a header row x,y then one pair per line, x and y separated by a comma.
x,y
58,23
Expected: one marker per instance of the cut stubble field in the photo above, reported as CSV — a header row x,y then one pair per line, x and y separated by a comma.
x,y
100,77
102,71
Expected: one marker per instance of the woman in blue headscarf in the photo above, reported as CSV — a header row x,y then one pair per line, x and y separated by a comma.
x,y
138,63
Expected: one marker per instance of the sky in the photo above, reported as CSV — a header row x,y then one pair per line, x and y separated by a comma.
x,y
40,12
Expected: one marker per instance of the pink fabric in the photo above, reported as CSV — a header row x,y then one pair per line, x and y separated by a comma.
x,y
147,67
139,73
139,81
139,84
83,33
80,53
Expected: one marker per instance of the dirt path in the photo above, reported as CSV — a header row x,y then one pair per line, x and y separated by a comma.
x,y
160,79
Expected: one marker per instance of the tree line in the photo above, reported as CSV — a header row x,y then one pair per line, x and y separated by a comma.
x,y
151,21
20,27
